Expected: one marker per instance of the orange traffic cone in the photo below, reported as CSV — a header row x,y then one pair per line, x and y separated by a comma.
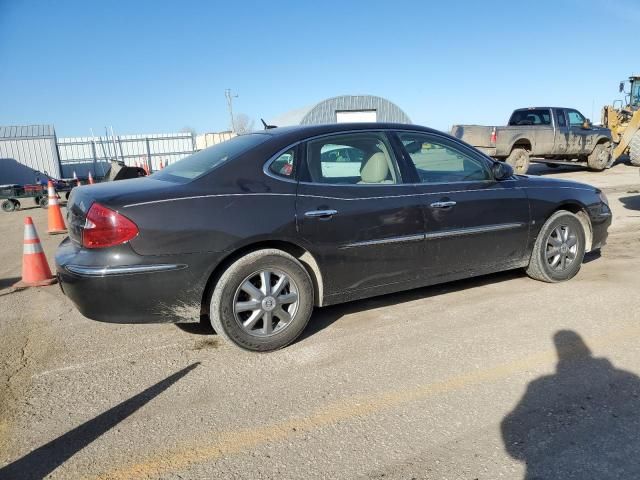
x,y
56,222
91,182
35,269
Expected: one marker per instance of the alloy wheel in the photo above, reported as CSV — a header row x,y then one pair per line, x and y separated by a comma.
x,y
265,303
562,248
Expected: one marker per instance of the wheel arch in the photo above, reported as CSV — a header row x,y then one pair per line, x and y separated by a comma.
x,y
581,212
602,140
521,142
301,254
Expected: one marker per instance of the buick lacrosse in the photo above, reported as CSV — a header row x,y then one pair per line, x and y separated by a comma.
x,y
253,233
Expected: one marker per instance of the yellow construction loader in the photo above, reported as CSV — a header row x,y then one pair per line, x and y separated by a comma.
x,y
624,122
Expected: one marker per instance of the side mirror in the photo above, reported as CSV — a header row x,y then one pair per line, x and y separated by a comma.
x,y
501,171
621,87
587,124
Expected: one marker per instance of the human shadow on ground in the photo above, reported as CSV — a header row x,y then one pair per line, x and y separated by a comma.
x,y
43,460
8,282
632,202
581,422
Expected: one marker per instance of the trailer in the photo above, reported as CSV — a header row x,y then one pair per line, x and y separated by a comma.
x,y
10,195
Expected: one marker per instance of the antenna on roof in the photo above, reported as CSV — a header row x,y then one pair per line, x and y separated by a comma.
x,y
266,126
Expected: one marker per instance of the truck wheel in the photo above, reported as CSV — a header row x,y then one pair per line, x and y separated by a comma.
x,y
634,150
43,202
8,206
519,160
263,301
599,158
559,249
16,203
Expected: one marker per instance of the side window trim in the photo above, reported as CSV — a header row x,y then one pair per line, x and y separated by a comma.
x,y
464,149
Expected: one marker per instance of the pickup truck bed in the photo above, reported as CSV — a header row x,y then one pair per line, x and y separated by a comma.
x,y
547,134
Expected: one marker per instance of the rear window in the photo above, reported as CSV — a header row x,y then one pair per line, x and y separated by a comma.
x,y
206,160
531,117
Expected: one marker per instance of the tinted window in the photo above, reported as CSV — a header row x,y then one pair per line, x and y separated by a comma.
x,y
358,159
206,160
284,165
562,122
437,161
575,118
531,117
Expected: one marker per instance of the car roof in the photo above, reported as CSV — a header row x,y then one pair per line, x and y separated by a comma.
x,y
543,108
304,131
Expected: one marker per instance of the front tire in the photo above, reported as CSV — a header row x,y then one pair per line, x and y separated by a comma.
x,y
263,301
559,249
519,160
634,150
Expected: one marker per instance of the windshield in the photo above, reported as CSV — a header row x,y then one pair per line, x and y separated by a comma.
x,y
204,161
635,93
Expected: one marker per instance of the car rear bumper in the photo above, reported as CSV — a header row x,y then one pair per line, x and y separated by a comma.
x,y
119,286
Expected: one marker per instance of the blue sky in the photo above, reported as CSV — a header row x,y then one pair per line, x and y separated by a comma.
x,y
150,67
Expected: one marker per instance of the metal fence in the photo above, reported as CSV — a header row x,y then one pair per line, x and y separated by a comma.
x,y
84,154
27,152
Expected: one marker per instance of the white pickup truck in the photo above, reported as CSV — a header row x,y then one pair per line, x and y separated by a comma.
x,y
553,135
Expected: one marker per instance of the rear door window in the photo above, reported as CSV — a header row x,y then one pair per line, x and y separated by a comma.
x,y
534,116
353,159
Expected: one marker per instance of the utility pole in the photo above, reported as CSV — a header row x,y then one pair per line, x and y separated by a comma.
x,y
230,97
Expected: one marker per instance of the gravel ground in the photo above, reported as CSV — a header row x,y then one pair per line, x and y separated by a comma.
x,y
495,377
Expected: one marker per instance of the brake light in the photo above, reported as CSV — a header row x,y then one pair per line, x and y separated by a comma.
x,y
494,135
105,228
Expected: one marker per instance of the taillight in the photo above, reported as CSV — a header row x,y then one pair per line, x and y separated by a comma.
x,y
105,228
494,135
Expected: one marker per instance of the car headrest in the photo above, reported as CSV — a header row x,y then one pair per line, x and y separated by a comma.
x,y
375,169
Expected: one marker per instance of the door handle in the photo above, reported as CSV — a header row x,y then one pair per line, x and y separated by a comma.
x,y
443,204
320,213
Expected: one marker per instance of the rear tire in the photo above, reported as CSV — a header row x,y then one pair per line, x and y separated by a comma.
x,y
263,301
519,160
634,150
8,206
559,249
43,202
599,157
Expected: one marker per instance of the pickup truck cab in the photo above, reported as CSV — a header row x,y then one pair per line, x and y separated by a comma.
x,y
553,135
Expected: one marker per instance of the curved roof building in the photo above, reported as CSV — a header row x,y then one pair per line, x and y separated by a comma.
x,y
345,108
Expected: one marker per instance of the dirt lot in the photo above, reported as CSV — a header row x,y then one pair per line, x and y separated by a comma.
x,y
480,379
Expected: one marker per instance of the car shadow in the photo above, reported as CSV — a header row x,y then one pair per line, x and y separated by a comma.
x,y
579,422
197,328
543,169
632,202
324,317
40,462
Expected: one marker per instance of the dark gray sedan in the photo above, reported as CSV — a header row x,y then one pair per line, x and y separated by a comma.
x,y
253,233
